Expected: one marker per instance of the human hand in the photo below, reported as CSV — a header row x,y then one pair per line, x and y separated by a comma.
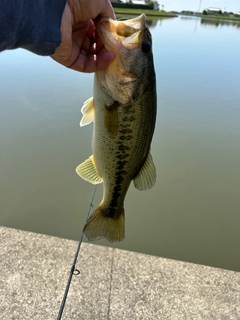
x,y
80,49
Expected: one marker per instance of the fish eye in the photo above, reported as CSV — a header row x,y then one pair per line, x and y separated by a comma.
x,y
146,47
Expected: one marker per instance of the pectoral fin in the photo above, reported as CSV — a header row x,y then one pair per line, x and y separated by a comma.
x,y
88,112
111,120
146,177
88,171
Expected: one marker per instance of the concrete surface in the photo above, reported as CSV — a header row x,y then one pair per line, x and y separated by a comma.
x,y
113,284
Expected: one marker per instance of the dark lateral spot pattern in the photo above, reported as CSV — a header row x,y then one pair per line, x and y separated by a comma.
x,y
122,154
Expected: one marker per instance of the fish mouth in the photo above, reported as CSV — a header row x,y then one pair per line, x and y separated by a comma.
x,y
114,33
123,77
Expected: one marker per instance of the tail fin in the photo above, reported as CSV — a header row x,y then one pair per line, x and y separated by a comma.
x,y
101,226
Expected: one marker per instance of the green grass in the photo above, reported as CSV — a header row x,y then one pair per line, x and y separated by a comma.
x,y
156,13
153,13
219,16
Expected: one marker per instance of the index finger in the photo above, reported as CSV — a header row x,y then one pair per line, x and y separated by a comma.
x,y
107,10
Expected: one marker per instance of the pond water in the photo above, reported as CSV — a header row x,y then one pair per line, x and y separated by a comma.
x,y
193,212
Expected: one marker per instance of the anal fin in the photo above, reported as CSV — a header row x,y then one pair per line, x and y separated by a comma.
x,y
146,177
88,171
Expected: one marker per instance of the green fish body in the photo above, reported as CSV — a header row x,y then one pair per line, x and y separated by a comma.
x,y
123,110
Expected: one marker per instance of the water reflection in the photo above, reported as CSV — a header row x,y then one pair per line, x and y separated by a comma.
x,y
207,22
192,213
216,23
188,18
152,23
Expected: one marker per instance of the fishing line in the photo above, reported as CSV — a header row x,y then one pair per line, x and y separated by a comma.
x,y
73,270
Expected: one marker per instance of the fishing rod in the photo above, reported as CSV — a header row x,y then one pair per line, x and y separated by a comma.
x,y
73,270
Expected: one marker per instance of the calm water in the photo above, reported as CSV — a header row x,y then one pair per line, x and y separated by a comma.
x,y
193,212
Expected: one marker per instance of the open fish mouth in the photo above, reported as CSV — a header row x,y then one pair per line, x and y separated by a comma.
x,y
126,33
126,39
123,109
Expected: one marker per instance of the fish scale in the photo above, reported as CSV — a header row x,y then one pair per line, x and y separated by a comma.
x,y
123,111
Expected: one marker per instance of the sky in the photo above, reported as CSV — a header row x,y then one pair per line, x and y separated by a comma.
x,y
193,5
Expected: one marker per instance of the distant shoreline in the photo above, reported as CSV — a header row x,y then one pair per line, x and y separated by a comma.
x,y
152,13
210,16
164,14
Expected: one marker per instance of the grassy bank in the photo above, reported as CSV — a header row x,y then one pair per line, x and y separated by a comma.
x,y
153,13
219,17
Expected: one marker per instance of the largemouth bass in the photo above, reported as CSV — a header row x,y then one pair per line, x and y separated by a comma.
x,y
123,110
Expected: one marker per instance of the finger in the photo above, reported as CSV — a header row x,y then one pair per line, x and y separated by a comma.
x,y
107,10
85,9
92,63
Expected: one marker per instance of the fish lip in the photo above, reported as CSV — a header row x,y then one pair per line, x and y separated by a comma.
x,y
111,31
130,22
137,23
124,38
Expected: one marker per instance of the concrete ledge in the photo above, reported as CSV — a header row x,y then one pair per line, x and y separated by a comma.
x,y
113,284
